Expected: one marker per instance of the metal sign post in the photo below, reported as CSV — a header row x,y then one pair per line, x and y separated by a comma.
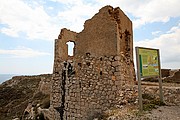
x,y
148,65
160,82
139,80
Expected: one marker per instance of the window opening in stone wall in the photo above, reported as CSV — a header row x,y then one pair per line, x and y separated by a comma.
x,y
70,48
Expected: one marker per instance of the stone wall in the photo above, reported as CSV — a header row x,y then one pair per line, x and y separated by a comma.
x,y
165,72
111,30
174,78
99,32
45,84
173,71
93,85
61,48
171,94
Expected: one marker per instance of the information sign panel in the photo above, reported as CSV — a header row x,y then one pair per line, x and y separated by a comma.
x,y
149,62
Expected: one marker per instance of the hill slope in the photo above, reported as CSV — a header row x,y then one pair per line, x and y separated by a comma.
x,y
18,92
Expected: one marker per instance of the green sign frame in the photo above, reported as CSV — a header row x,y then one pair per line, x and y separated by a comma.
x,y
149,61
148,65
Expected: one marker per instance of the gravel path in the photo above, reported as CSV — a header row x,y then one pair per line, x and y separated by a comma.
x,y
161,113
164,113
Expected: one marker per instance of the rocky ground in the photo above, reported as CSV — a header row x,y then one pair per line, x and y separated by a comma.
x,y
152,109
23,92
159,113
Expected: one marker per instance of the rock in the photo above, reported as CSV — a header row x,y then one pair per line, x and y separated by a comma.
x,y
16,119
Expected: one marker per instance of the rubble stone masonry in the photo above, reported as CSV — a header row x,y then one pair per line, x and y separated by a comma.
x,y
91,81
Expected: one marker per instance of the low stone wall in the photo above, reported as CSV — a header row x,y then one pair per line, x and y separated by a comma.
x,y
171,94
45,84
165,72
175,78
127,95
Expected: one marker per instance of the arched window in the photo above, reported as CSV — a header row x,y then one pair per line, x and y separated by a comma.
x,y
70,48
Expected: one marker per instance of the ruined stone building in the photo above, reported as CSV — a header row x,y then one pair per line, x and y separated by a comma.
x,y
90,82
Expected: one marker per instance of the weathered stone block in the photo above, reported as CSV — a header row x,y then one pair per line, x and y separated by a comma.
x,y
115,63
117,58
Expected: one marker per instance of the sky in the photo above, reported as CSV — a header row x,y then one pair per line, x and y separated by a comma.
x,y
28,29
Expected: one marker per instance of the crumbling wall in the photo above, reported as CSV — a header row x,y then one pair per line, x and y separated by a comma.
x,y
124,32
173,71
174,78
99,32
124,41
165,72
45,84
61,48
61,54
91,81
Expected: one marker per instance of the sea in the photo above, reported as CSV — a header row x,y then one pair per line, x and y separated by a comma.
x,y
5,77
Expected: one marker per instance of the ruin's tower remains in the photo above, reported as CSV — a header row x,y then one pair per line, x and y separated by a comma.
x,y
88,83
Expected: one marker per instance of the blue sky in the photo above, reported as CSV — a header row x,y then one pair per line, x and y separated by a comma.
x,y
28,29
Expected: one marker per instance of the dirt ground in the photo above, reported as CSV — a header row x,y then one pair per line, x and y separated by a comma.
x,y
159,113
163,113
168,112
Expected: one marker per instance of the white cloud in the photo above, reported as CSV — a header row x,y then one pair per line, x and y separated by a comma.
x,y
50,8
169,45
31,18
21,18
146,11
156,33
76,13
156,11
71,2
23,52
